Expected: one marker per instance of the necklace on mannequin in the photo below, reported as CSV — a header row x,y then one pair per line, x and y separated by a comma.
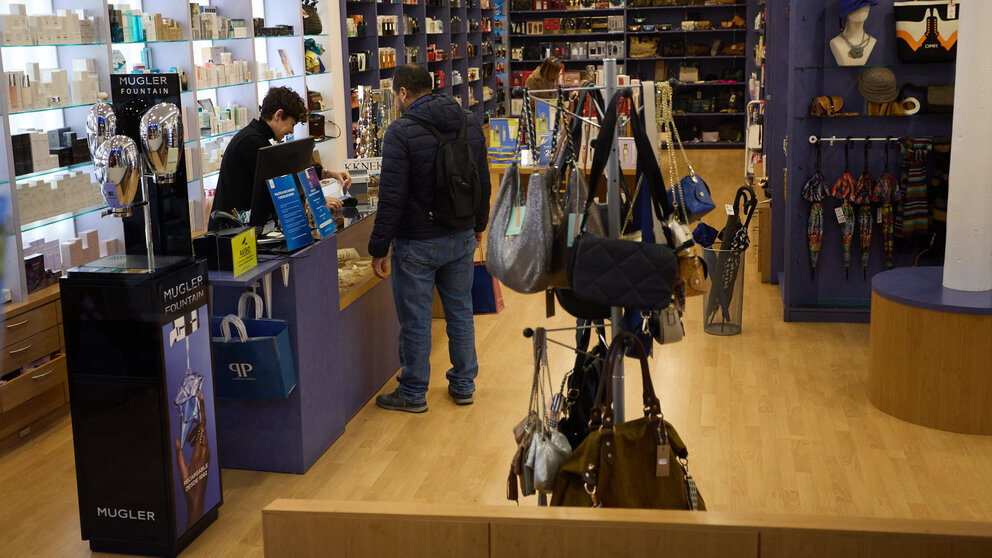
x,y
857,50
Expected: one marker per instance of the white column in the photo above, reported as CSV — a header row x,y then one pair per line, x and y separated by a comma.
x,y
968,259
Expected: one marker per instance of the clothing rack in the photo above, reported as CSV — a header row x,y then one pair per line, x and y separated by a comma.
x,y
529,333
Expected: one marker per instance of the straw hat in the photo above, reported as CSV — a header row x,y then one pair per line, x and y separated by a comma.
x,y
878,85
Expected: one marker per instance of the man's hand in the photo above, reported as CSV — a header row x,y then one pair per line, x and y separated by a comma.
x,y
341,176
334,203
478,238
379,268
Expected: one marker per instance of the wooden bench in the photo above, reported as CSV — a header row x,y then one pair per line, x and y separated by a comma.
x,y
302,528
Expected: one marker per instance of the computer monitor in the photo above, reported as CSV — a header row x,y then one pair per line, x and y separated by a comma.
x,y
289,157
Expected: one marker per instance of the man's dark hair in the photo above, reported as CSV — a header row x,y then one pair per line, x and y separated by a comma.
x,y
415,78
284,98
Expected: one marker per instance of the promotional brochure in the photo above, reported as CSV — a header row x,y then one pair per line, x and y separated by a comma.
x,y
314,196
289,207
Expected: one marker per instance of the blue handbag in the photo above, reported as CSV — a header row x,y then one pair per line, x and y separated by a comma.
x,y
256,362
691,198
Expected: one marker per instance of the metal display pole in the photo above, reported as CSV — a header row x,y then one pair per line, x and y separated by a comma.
x,y
613,227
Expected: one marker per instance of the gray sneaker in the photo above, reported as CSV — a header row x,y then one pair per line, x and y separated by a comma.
x,y
396,402
461,398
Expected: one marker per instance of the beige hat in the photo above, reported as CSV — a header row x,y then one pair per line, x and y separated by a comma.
x,y
878,85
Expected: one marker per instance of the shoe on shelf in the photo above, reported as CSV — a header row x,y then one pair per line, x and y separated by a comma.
x,y
461,398
396,402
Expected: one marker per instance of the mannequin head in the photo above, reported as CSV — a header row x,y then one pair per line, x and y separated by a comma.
x,y
858,16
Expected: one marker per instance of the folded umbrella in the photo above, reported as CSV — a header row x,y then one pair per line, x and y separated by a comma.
x,y
843,189
885,190
728,262
862,197
813,192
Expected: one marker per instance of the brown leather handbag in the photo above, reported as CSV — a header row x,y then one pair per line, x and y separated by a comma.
x,y
641,463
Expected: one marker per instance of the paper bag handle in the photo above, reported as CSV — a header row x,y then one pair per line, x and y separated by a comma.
x,y
225,327
243,304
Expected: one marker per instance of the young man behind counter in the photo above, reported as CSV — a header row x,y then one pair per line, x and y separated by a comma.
x,y
282,109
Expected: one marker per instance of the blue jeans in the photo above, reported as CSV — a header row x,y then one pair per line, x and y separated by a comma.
x,y
417,267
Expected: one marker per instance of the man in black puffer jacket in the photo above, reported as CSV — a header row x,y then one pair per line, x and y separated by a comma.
x,y
426,253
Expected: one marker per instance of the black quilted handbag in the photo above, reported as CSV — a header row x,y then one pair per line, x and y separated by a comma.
x,y
580,387
614,271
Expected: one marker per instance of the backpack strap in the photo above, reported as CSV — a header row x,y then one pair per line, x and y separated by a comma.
x,y
437,135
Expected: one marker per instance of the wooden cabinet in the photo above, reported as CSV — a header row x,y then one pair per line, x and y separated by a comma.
x,y
32,330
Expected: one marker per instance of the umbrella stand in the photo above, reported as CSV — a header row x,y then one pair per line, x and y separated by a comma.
x,y
723,308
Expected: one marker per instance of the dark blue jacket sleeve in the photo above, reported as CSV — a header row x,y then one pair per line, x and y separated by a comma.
x,y
482,164
394,190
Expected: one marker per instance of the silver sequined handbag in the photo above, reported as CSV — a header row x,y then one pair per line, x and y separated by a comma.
x,y
522,261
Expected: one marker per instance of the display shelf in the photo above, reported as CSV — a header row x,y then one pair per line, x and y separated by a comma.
x,y
318,73
212,136
278,79
894,65
29,176
149,42
688,114
211,88
209,174
681,32
575,35
698,7
892,117
317,35
718,145
226,39
55,45
711,84
25,227
32,111
581,12
277,36
695,58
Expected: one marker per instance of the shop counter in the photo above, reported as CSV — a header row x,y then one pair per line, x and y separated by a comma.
x,y
345,347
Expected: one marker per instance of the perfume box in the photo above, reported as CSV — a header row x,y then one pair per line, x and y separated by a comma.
x,y
34,271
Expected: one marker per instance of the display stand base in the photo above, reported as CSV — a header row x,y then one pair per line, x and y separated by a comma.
x,y
931,361
153,549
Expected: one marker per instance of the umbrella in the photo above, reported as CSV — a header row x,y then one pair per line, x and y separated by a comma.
x,y
843,190
885,191
813,192
728,263
862,197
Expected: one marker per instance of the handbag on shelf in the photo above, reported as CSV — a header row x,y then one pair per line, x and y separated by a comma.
x,y
940,98
644,47
311,19
673,48
688,73
520,237
927,31
826,105
734,49
619,272
697,49
641,463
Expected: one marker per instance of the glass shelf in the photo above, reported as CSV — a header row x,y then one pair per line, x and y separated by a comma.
x,y
322,111
318,35
148,42
318,73
224,86
223,39
24,177
685,114
55,45
686,7
61,218
680,32
209,174
212,136
52,108
277,79
276,36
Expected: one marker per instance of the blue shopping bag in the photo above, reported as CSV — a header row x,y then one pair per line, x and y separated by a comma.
x,y
256,361
487,298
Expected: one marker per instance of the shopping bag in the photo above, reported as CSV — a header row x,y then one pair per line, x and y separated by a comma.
x,y
257,361
487,298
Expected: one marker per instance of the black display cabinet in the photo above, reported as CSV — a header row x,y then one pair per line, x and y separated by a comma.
x,y
141,384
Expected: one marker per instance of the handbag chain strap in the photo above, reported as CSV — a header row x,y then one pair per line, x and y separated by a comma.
x,y
667,123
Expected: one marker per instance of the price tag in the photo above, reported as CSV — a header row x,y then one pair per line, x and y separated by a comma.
x,y
730,209
574,221
840,215
878,215
952,10
516,223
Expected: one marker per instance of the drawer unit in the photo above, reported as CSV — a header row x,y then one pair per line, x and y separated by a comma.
x,y
30,323
23,353
32,383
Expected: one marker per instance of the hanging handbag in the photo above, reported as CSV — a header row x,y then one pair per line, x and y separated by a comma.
x,y
311,19
549,447
520,236
579,384
642,463
615,271
690,196
927,31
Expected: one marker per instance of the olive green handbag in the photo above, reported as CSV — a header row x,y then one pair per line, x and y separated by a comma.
x,y
637,464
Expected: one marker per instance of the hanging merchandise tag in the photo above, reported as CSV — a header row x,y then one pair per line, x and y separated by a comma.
x,y
837,210
952,10
525,158
661,463
730,210
516,223
878,215
573,228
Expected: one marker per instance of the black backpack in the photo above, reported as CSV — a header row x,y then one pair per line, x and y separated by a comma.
x,y
457,188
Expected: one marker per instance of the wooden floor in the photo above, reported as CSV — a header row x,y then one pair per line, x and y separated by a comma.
x,y
776,420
